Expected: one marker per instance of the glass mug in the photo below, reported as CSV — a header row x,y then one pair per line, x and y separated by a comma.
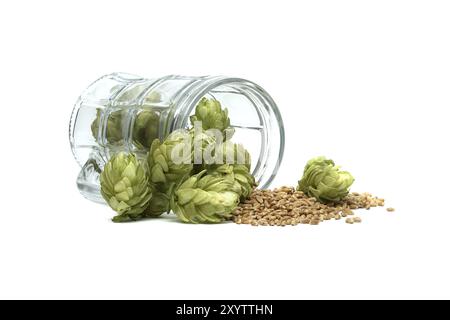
x,y
122,112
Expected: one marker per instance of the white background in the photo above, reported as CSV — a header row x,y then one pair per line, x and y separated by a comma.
x,y
363,82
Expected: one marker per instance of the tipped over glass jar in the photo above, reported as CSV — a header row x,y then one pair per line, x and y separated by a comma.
x,y
122,112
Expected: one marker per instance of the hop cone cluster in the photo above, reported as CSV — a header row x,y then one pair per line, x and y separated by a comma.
x,y
205,199
324,180
145,126
191,172
210,113
125,187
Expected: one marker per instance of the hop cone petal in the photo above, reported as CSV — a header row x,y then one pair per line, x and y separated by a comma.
x,y
325,181
204,199
210,113
125,187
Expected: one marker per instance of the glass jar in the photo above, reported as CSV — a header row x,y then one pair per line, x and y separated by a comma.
x,y
122,112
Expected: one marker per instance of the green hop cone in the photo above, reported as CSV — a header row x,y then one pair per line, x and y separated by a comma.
x,y
239,174
205,199
146,123
201,139
210,113
159,203
145,129
245,179
125,187
113,126
325,181
171,160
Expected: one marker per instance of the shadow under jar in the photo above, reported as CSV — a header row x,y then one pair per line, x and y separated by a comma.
x,y
122,112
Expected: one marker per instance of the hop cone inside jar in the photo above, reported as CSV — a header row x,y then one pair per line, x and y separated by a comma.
x,y
145,129
146,123
125,187
325,181
113,127
205,199
212,116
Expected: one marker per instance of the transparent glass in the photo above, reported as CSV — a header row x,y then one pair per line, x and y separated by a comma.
x,y
122,112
